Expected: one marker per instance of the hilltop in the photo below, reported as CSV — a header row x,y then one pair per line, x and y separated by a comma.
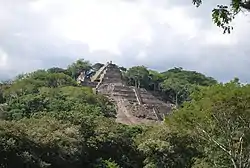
x,y
140,95
103,115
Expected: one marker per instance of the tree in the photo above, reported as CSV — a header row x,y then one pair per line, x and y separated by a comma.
x,y
155,79
224,14
219,117
79,66
177,90
38,143
138,76
162,147
123,69
97,66
2,88
50,122
191,77
46,120
178,84
59,70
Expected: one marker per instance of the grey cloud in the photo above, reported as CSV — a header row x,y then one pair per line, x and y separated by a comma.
x,y
26,38
29,44
203,12
168,50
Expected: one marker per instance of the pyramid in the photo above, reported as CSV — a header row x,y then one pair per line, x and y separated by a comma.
x,y
134,105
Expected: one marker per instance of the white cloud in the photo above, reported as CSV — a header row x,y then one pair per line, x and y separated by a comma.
x,y
103,25
158,33
178,19
3,59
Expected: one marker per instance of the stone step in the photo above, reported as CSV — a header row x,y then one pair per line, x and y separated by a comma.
x,y
107,81
143,91
130,99
164,109
146,113
124,95
123,87
151,102
124,91
112,79
113,69
147,96
112,75
151,98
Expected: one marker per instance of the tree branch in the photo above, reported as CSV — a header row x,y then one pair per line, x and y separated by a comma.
x,y
241,150
221,147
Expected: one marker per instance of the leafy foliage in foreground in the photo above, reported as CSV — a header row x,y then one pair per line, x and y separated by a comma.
x,y
47,121
219,117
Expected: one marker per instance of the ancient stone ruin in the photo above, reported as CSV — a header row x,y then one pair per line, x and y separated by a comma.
x,y
134,105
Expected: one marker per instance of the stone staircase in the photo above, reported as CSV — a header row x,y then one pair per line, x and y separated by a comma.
x,y
125,91
112,75
146,107
134,105
138,95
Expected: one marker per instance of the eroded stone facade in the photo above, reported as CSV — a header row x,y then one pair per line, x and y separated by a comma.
x,y
134,105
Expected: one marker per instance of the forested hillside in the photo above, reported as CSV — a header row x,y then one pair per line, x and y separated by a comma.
x,y
47,120
174,85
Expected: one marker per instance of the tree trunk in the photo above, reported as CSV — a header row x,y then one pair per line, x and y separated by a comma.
x,y
176,99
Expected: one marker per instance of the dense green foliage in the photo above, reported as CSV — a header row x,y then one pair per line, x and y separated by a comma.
x,y
219,117
175,85
49,121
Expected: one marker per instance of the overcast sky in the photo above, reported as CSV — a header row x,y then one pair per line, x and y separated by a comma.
x,y
159,34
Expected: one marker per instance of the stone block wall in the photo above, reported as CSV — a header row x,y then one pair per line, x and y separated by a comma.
x,y
113,87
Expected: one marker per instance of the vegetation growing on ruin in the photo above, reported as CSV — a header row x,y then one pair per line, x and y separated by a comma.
x,y
47,120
